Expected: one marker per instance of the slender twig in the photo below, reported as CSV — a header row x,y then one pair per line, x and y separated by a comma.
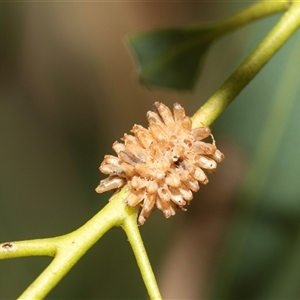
x,y
257,11
68,249
270,138
140,253
238,80
38,247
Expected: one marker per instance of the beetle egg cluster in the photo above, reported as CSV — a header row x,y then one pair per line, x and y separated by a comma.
x,y
164,164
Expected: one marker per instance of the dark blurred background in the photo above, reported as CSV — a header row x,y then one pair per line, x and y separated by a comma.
x,y
68,90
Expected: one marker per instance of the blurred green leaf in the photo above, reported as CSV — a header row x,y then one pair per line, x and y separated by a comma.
x,y
171,57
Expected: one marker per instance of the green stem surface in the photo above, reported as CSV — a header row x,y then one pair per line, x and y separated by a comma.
x,y
140,253
282,285
69,248
249,68
254,12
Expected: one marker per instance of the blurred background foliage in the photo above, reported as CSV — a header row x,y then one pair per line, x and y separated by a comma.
x,y
68,91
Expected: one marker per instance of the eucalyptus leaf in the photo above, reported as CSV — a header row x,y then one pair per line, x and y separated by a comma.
x,y
171,57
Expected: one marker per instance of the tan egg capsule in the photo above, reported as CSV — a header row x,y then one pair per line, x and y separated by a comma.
x,y
117,147
170,211
113,160
128,169
137,151
200,175
218,156
188,165
186,124
142,219
158,133
207,163
164,112
138,183
184,132
152,187
201,133
134,198
129,158
164,193
182,174
159,153
130,139
192,184
176,197
111,165
110,183
111,169
147,207
165,206
179,113
156,152
185,192
143,171
176,152
144,136
162,169
173,180
153,118
204,148
188,142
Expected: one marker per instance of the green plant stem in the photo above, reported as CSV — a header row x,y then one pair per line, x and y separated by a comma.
x,y
38,247
71,247
68,249
270,137
238,80
277,122
257,11
140,253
